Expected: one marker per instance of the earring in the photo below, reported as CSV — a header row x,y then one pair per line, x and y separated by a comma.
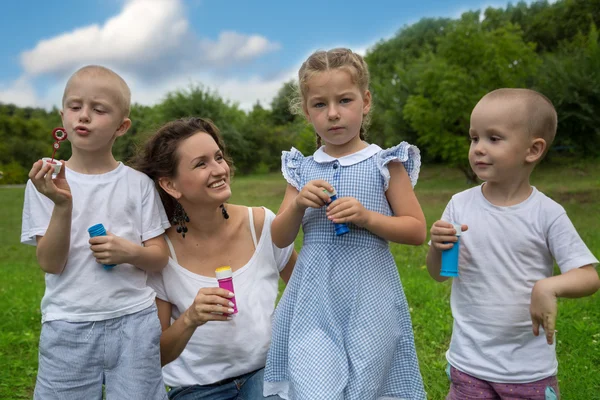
x,y
180,218
224,211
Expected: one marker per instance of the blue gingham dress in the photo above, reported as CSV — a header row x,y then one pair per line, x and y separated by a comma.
x,y
342,329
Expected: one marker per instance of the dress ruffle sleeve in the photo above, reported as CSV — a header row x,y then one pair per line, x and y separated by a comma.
x,y
408,154
290,167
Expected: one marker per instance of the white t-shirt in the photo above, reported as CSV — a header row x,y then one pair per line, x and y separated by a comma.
x,y
224,349
503,254
125,201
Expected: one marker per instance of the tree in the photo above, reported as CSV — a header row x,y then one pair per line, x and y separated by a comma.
x,y
280,106
571,79
392,80
470,61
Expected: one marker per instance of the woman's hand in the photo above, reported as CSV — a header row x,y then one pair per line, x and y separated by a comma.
x,y
210,304
313,195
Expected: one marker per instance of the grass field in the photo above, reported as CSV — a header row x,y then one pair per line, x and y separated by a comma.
x,y
577,189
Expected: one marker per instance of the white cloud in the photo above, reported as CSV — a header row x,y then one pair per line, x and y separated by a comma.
x,y
245,92
149,37
20,92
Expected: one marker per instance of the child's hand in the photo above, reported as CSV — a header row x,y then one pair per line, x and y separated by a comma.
x,y
56,189
348,209
543,309
313,195
443,235
111,249
209,305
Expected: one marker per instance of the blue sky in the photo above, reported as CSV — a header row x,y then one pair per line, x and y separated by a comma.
x,y
244,50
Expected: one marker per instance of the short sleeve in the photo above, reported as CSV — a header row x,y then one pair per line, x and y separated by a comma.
x,y
37,210
154,219
407,154
566,246
290,167
282,256
156,282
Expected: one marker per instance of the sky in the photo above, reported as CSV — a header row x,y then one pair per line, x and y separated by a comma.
x,y
243,50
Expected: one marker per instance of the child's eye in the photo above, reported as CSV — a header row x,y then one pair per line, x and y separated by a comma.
x,y
494,138
474,139
319,105
75,108
345,101
99,111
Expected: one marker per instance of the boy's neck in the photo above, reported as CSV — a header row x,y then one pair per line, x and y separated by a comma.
x,y
92,163
510,193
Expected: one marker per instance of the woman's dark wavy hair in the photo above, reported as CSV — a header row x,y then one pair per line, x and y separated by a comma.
x,y
159,156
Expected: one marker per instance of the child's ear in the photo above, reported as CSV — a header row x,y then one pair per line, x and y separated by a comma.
x,y
123,128
366,102
536,150
169,186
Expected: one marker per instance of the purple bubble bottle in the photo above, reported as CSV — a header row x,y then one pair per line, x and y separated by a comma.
x,y
225,279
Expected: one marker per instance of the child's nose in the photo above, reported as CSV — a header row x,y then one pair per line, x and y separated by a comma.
x,y
333,112
479,148
84,115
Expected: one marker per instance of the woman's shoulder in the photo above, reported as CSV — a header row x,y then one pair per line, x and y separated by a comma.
x,y
261,217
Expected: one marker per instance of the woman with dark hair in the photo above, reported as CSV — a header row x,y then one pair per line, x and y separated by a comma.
x,y
207,350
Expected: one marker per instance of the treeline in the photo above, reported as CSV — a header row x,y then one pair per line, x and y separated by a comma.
x,y
425,81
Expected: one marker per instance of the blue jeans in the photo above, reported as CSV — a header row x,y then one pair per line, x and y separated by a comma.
x,y
245,387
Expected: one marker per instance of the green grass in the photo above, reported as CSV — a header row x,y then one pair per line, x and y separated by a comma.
x,y
577,189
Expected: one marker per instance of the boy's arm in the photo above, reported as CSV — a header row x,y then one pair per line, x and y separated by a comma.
x,y
153,256
52,249
434,264
443,237
578,282
111,249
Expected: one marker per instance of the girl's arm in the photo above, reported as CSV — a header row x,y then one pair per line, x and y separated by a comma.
x,y
286,272
408,225
175,337
286,224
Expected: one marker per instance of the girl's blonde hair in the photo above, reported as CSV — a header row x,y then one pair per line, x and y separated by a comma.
x,y
321,61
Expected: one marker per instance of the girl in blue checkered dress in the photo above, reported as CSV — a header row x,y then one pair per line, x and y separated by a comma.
x,y
342,329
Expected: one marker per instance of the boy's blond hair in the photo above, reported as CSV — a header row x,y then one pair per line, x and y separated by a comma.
x,y
542,119
97,71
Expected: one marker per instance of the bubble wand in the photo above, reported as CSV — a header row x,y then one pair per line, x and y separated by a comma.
x,y
59,134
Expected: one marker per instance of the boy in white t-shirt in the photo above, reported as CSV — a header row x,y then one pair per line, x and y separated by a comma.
x,y
99,325
505,290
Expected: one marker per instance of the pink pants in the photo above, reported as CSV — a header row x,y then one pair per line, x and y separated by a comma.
x,y
466,387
